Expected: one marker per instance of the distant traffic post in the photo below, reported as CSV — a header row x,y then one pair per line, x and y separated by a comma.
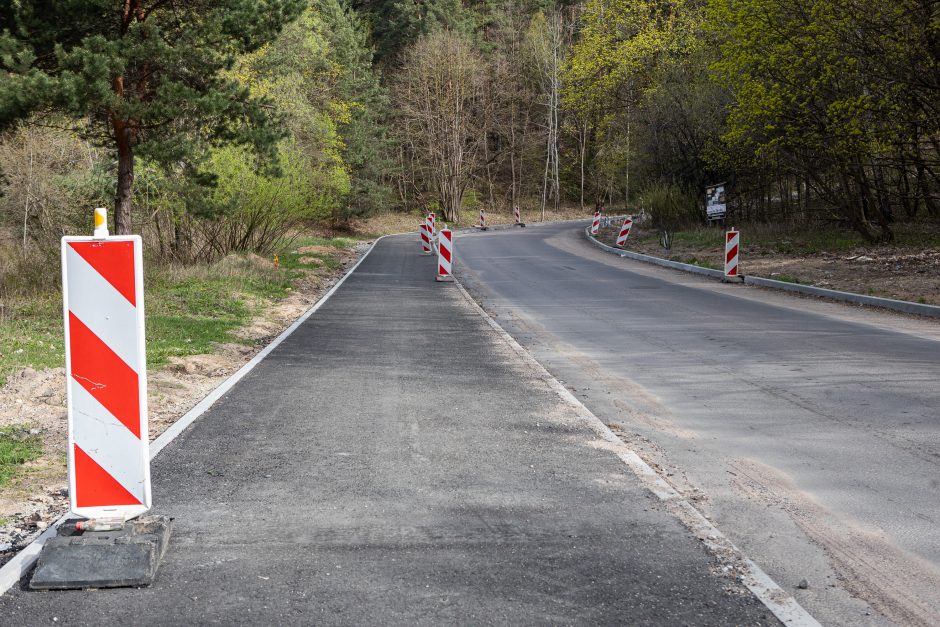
x,y
732,251
426,236
518,215
482,218
624,232
445,255
595,227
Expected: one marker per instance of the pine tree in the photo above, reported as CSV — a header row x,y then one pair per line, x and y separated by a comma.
x,y
147,77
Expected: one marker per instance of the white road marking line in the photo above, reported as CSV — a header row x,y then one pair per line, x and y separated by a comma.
x,y
781,604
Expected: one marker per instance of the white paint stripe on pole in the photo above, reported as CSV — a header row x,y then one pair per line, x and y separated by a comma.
x,y
781,604
100,307
107,441
732,250
113,269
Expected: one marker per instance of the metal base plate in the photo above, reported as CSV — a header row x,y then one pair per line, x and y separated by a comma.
x,y
103,559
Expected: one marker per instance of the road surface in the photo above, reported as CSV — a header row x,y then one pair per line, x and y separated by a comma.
x,y
808,431
395,462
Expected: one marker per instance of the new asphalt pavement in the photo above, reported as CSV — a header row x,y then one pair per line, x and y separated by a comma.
x,y
395,462
808,431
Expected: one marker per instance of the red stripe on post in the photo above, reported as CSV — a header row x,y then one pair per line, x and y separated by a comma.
x,y
104,375
94,487
731,254
114,261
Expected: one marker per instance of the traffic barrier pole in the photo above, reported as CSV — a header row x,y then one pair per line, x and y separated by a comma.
x,y
625,231
732,249
597,223
445,256
105,364
482,218
518,215
425,238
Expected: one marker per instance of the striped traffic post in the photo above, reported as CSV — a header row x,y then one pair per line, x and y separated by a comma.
x,y
482,218
432,222
595,227
732,249
425,238
105,363
445,255
518,215
625,232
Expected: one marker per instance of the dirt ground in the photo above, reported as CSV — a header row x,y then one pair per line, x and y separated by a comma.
x,y
38,496
910,273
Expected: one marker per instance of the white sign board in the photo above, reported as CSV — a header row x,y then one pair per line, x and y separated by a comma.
x,y
715,206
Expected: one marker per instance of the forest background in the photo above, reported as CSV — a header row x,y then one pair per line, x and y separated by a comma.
x,y
225,127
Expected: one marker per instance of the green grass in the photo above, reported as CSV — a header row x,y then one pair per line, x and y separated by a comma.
x,y
17,447
189,309
786,278
33,338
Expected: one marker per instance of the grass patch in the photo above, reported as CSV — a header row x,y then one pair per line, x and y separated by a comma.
x,y
17,447
787,278
702,263
189,308
33,338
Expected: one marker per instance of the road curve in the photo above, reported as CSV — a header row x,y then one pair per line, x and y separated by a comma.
x,y
808,431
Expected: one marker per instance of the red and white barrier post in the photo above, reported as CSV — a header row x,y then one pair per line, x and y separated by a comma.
x,y
425,237
445,256
432,222
105,363
732,249
518,215
625,231
595,227
482,218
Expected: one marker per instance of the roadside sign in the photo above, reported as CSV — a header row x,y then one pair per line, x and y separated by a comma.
x,y
716,207
105,361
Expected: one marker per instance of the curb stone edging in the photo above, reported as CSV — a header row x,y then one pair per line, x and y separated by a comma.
x,y
902,306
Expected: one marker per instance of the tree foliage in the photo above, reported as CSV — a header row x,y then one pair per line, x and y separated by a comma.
x,y
145,75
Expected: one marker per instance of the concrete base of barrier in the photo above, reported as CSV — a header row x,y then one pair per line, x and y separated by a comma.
x,y
445,279
732,279
125,558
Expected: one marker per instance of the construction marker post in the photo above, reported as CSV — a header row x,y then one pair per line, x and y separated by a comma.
x,y
108,437
425,237
518,216
732,250
432,222
482,219
625,232
445,255
595,227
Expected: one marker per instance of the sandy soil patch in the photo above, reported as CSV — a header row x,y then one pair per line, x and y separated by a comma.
x,y
899,272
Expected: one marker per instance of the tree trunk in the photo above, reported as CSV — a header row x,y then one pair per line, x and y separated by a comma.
x,y
125,182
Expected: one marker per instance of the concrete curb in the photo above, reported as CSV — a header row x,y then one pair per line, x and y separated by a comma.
x,y
903,306
19,565
765,589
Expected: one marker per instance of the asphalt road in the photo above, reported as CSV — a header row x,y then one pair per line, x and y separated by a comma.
x,y
808,431
394,462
